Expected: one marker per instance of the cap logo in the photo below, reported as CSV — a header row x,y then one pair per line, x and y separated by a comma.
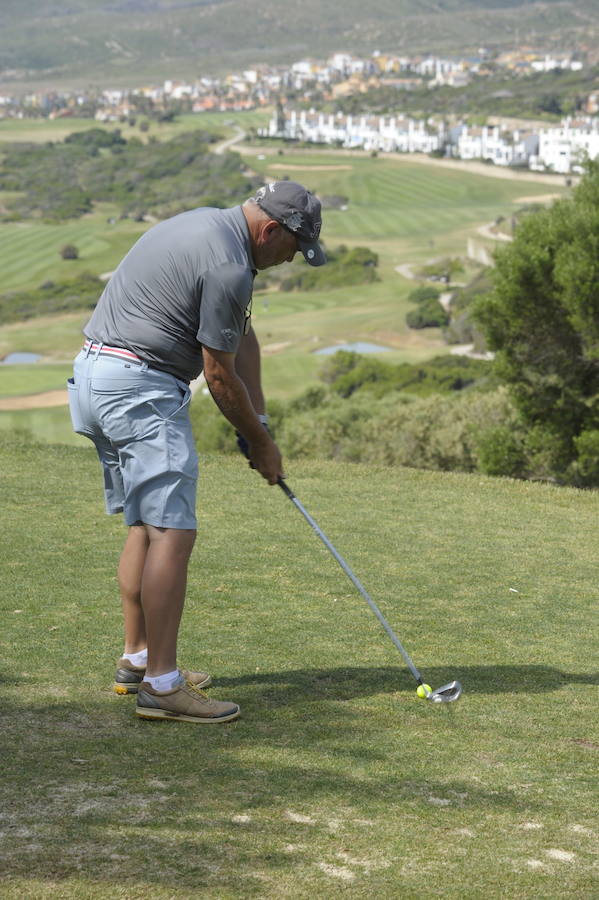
x,y
294,221
310,254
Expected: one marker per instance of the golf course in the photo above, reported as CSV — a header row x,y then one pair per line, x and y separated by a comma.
x,y
337,780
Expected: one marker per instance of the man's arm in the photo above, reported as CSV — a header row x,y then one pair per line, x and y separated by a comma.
x,y
233,399
247,366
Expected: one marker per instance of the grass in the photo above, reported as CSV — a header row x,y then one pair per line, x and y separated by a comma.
x,y
41,130
337,781
393,199
30,252
16,380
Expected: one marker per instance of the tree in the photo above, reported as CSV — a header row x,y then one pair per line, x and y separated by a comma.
x,y
542,319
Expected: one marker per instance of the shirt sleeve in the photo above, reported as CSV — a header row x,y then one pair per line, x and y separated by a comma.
x,y
225,304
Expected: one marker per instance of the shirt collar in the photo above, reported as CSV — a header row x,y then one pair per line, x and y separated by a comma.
x,y
242,221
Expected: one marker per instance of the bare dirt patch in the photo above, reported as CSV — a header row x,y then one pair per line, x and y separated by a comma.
x,y
275,348
34,401
540,198
310,168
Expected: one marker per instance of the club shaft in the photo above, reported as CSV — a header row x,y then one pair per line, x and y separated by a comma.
x,y
353,578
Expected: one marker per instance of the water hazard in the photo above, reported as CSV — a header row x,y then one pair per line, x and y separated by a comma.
x,y
357,347
15,359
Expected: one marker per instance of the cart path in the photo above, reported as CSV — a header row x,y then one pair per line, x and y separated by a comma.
x,y
34,401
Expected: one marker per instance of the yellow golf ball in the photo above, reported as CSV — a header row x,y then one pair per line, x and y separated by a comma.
x,y
422,690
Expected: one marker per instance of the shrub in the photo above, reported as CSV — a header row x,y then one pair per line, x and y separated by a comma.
x,y
80,293
501,451
422,293
587,464
69,251
347,372
344,267
435,432
428,314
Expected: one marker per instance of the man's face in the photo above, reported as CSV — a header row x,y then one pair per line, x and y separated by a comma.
x,y
278,246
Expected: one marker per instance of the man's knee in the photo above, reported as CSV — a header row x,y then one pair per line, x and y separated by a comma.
x,y
179,541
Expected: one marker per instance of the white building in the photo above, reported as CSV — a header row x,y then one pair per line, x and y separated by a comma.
x,y
503,148
548,64
563,148
386,133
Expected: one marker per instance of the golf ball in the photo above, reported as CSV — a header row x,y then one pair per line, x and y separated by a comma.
x,y
422,690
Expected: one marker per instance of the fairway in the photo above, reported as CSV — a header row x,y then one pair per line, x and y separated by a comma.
x,y
30,252
39,130
407,213
393,199
337,781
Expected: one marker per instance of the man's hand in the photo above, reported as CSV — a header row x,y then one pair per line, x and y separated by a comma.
x,y
265,457
242,444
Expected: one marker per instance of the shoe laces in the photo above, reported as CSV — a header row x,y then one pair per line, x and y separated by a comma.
x,y
196,690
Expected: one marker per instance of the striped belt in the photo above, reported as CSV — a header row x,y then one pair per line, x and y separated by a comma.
x,y
114,352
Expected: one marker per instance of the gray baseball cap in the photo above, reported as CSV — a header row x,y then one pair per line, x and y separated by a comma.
x,y
298,211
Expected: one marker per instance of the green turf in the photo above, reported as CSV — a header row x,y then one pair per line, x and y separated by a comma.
x,y
337,781
39,130
16,380
30,251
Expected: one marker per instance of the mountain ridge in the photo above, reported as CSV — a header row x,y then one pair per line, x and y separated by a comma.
x,y
123,41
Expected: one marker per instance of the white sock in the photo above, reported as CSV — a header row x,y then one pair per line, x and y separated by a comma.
x,y
139,659
164,682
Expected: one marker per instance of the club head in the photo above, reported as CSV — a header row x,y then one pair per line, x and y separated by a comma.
x,y
447,693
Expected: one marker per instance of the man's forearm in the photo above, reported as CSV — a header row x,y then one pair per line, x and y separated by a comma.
x,y
247,366
232,398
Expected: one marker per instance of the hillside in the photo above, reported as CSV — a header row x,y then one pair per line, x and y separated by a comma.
x,y
128,41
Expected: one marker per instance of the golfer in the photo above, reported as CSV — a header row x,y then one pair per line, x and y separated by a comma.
x,y
180,302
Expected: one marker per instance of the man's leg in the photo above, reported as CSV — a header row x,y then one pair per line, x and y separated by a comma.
x,y
131,567
163,584
169,586
162,595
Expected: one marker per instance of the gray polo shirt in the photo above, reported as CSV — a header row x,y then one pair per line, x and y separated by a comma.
x,y
187,282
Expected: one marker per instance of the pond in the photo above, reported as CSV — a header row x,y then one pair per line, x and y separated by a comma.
x,y
357,347
14,359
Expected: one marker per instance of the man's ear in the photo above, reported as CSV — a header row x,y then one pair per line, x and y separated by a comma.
x,y
268,229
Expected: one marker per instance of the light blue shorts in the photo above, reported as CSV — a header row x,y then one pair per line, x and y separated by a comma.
x,y
138,419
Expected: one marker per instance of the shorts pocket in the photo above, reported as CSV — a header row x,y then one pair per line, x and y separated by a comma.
x,y
74,408
121,413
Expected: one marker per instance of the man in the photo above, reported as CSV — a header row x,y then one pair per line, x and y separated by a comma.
x,y
179,302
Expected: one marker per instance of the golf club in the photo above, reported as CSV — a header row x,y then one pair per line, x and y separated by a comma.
x,y
447,693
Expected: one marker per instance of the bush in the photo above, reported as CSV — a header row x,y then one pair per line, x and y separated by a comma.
x,y
501,452
344,267
423,293
63,180
69,251
80,293
347,372
334,201
587,464
435,432
443,269
429,314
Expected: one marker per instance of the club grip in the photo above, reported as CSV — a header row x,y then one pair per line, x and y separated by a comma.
x,y
286,489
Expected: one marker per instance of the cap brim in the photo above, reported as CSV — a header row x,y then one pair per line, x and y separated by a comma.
x,y
313,253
